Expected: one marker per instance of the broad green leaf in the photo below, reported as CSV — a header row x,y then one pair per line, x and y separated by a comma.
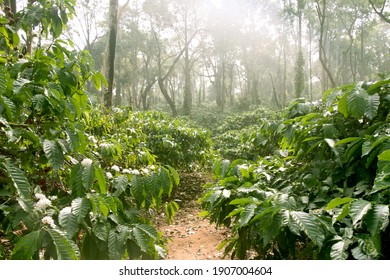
x,y
19,181
101,231
341,214
175,175
339,250
247,214
80,208
117,243
120,184
347,140
310,226
373,102
148,230
103,207
357,102
65,250
242,201
76,180
54,154
377,219
3,79
101,179
382,179
26,247
385,156
141,239
88,174
343,105
377,85
337,202
68,222
73,139
358,210
164,183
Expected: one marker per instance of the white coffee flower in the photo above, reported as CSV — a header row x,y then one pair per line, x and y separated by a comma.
x,y
109,175
126,171
135,172
115,168
49,221
40,196
86,162
145,171
104,145
43,203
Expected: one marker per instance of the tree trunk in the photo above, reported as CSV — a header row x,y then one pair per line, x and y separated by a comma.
x,y
164,91
321,11
111,47
187,104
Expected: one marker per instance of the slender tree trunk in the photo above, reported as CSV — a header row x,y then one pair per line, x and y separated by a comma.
x,y
111,48
164,91
321,11
187,104
11,4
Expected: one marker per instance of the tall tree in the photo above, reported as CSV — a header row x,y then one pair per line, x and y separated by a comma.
x,y
111,47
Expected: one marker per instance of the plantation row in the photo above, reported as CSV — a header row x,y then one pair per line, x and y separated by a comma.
x,y
82,182
313,183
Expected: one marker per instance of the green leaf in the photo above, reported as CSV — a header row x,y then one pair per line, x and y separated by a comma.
x,y
385,156
103,207
101,231
73,139
358,210
373,102
175,175
339,250
20,182
54,154
68,222
76,180
357,102
382,179
342,105
3,79
101,179
141,239
80,208
337,202
65,249
26,247
242,201
377,219
347,140
247,214
117,243
120,184
165,183
310,226
148,230
344,212
88,173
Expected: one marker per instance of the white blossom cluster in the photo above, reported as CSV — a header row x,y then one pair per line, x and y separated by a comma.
x,y
145,171
43,202
86,162
49,221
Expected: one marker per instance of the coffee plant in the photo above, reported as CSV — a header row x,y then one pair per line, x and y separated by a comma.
x,y
325,195
75,183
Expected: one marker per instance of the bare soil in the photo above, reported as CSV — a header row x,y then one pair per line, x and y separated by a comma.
x,y
189,236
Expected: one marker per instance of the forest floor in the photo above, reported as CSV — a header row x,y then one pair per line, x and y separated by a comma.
x,y
189,236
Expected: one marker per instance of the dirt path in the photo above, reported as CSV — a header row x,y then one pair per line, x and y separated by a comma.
x,y
191,237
